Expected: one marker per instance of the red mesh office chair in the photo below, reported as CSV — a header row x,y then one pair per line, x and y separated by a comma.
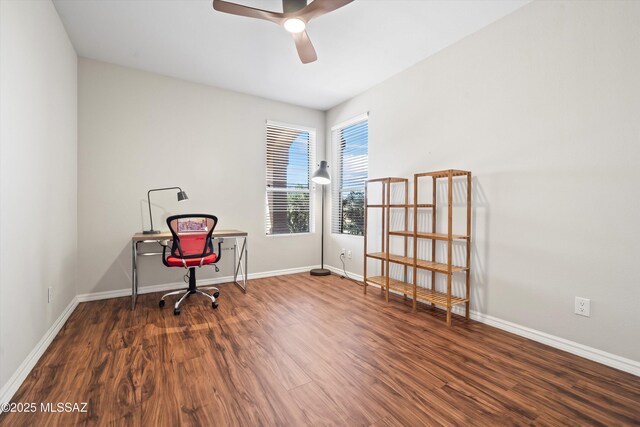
x,y
192,247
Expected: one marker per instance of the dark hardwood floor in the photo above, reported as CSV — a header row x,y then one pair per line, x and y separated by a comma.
x,y
298,350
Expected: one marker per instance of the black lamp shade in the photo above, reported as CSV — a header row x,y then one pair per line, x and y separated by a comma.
x,y
182,196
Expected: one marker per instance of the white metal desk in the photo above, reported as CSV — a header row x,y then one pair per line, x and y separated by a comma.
x,y
240,254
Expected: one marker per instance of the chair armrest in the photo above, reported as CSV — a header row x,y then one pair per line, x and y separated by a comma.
x,y
164,253
219,250
209,244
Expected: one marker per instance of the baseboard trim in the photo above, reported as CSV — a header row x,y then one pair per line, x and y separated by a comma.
x,y
95,296
9,389
340,272
603,357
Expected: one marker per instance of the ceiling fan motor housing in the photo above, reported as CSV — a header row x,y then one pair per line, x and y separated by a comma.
x,y
290,6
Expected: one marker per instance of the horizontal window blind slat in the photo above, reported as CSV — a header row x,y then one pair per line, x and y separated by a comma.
x,y
355,129
280,145
272,129
283,163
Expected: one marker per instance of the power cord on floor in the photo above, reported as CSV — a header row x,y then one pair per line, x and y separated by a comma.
x,y
344,270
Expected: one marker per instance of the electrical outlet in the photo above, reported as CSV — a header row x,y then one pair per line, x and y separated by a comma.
x,y
349,254
342,251
49,294
583,307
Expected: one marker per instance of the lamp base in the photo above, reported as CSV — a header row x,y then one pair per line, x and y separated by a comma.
x,y
151,232
320,272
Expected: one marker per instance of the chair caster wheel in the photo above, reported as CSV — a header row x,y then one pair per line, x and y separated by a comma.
x,y
176,311
214,304
216,295
161,303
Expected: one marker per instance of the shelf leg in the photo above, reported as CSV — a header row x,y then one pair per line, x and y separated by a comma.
x,y
406,227
388,217
366,209
434,200
449,245
467,287
415,242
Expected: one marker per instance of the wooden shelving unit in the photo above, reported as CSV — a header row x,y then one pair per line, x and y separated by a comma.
x,y
385,206
445,299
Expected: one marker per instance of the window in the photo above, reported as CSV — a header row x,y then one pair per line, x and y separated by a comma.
x,y
351,141
289,157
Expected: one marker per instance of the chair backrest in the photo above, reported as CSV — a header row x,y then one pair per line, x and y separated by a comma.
x,y
192,235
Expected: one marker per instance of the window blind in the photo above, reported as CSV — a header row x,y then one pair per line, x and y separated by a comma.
x,y
351,141
289,158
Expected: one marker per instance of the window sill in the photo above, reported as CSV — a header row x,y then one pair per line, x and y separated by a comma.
x,y
290,234
346,235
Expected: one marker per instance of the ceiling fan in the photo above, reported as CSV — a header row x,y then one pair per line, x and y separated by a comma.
x,y
294,18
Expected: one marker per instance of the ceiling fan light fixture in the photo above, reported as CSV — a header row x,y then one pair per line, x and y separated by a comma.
x,y
294,25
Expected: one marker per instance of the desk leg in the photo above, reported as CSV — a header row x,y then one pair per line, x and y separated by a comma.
x,y
134,273
235,248
238,267
246,262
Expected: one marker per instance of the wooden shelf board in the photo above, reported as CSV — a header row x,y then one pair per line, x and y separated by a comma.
x,y
422,264
378,280
399,205
423,235
428,295
438,298
392,179
444,173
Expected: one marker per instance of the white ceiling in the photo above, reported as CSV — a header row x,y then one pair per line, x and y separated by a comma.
x,y
358,46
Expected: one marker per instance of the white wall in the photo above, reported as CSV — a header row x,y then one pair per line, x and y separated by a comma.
x,y
542,106
138,131
38,176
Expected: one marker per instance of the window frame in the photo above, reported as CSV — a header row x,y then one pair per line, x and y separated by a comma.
x,y
337,186
311,150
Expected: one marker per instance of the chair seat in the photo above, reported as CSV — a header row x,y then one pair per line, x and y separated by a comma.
x,y
191,262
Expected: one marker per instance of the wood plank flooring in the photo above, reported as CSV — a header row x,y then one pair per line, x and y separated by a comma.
x,y
299,350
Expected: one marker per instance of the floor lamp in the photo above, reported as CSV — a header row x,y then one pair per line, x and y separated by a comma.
x,y
321,176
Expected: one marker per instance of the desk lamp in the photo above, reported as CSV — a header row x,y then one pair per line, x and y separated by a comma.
x,y
181,196
321,176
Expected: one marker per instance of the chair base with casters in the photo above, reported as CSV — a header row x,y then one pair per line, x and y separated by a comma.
x,y
192,289
192,247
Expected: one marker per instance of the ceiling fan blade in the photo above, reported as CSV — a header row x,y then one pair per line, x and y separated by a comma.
x,y
320,7
241,10
306,52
